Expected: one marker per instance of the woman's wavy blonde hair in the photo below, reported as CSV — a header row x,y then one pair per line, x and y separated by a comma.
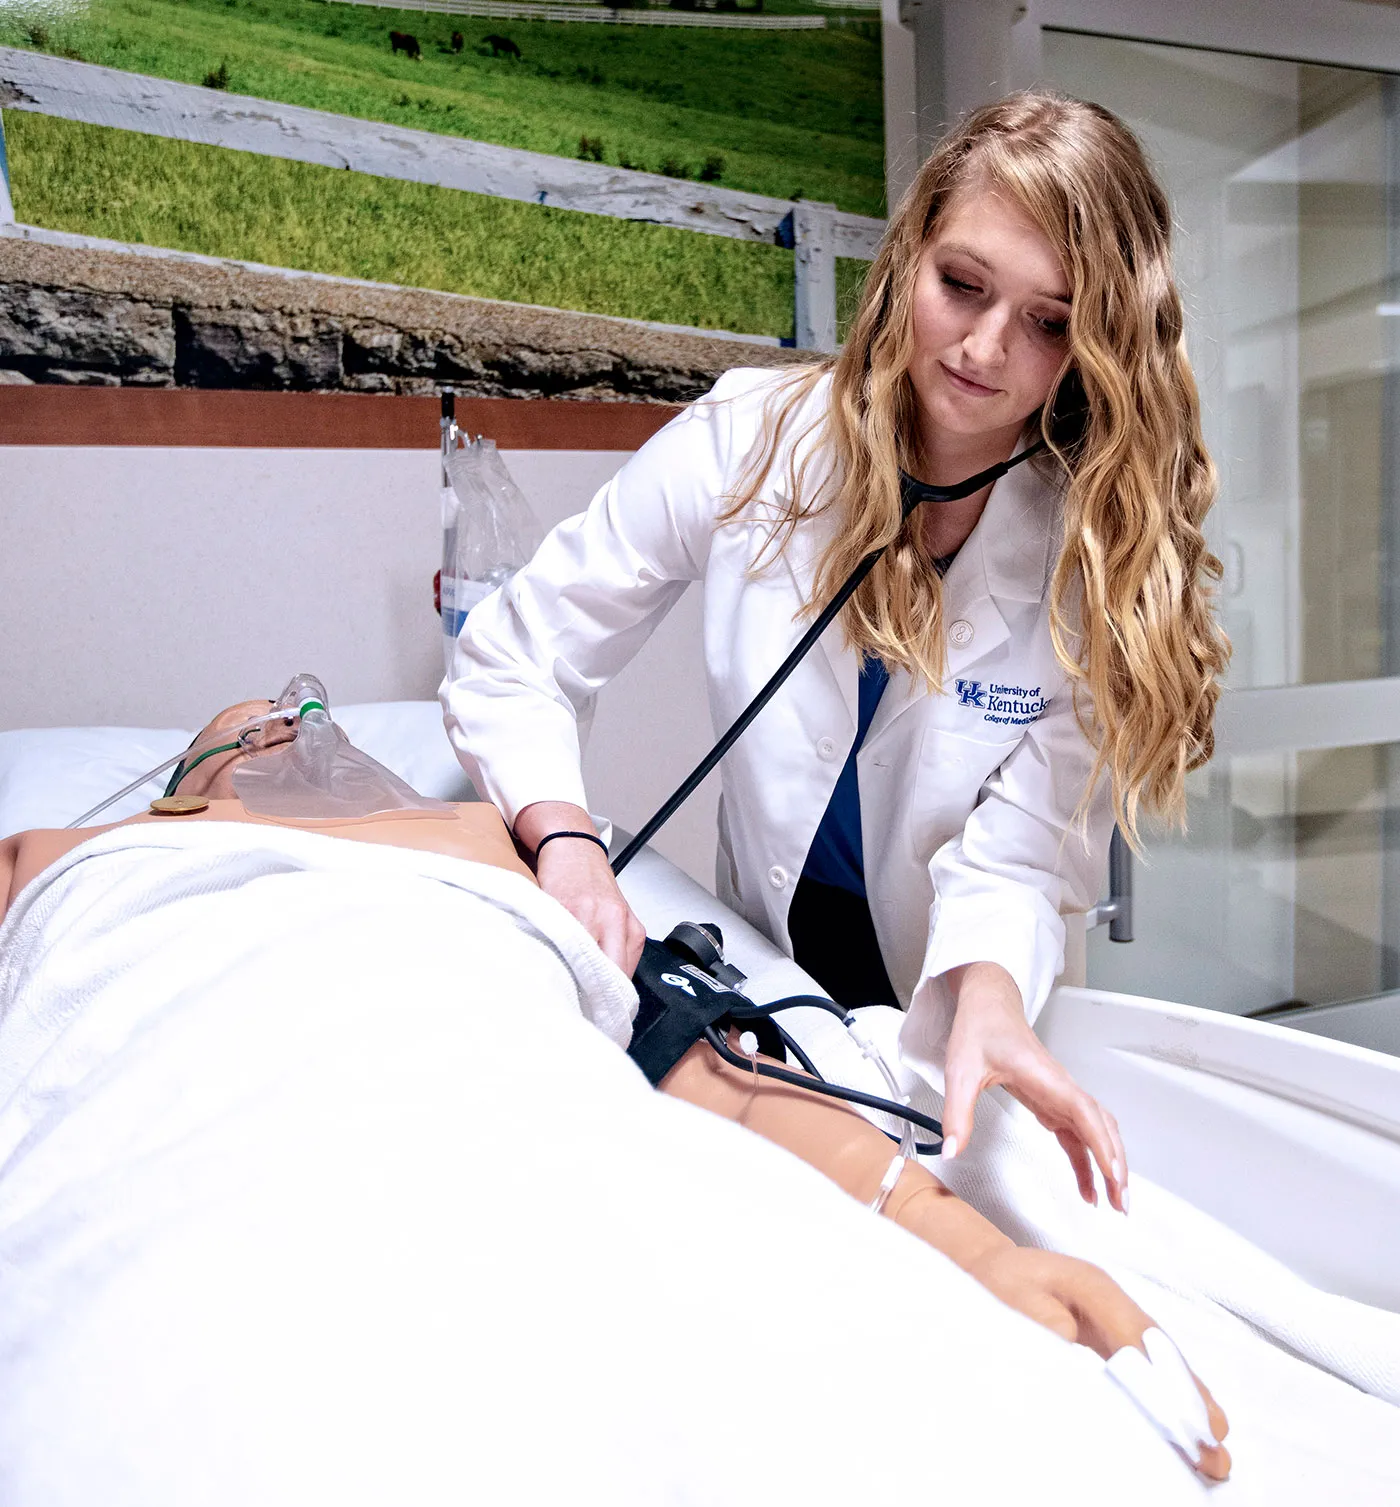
x,y
1131,599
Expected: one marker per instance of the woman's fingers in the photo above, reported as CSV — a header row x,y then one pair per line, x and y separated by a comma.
x,y
1103,1140
1089,1126
1079,1160
1118,1183
1080,1125
634,940
578,877
964,1078
618,932
991,1042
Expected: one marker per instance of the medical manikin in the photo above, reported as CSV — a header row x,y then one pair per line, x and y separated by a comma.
x,y
287,763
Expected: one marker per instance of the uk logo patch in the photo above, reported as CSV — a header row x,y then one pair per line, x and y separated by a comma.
x,y
1010,705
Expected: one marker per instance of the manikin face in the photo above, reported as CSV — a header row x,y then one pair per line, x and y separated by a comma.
x,y
213,777
991,305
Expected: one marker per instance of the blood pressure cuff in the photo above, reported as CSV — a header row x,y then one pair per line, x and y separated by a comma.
x,y
677,1001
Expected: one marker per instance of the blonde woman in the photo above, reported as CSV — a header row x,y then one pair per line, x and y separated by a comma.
x,y
934,788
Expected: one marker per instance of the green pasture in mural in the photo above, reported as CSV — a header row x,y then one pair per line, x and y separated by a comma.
x,y
293,214
782,113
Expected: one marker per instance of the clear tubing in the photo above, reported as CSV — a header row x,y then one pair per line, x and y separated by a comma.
x,y
136,784
241,733
908,1146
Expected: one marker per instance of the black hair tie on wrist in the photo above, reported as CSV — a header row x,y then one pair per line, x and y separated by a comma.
x,y
586,836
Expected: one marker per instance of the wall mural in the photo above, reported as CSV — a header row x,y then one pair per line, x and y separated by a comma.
x,y
700,165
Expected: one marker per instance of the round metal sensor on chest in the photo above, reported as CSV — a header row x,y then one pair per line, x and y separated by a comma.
x,y
179,805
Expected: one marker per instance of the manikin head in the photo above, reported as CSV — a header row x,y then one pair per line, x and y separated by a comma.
x,y
213,777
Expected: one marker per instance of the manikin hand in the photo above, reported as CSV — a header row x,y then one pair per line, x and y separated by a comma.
x,y
1086,1306
990,1043
576,874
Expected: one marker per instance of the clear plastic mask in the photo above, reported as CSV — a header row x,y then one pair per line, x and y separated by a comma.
x,y
318,774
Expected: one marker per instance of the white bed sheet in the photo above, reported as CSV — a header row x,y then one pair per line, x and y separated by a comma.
x,y
1308,1379
315,1186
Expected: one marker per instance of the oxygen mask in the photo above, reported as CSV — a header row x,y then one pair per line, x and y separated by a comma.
x,y
304,769
319,775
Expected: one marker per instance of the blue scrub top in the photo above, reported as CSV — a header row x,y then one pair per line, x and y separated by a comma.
x,y
836,856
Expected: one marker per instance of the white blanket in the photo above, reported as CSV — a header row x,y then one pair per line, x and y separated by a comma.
x,y
1309,1380
316,1186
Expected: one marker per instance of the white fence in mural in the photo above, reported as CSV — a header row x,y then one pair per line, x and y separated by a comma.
x,y
817,233
524,10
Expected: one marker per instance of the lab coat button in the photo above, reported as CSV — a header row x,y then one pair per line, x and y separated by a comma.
x,y
960,632
777,877
826,748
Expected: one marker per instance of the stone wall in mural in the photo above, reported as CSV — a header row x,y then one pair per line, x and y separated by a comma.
x,y
101,317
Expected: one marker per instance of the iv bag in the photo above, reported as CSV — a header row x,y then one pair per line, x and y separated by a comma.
x,y
488,532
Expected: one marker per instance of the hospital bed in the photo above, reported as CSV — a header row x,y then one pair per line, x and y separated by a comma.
x,y
1278,1151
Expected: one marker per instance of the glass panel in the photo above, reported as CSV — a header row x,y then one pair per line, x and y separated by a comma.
x,y
1280,173
1287,888
1277,173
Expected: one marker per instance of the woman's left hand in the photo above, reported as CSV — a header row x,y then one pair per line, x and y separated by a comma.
x,y
991,1042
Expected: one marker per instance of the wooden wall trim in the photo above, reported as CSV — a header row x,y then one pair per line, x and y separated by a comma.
x,y
53,415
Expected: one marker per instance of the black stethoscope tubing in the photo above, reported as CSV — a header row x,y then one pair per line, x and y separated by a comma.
x,y
913,494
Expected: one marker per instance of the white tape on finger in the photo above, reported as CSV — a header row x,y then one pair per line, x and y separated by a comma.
x,y
1161,1385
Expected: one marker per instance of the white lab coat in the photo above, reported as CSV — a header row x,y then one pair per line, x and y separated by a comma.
x,y
967,796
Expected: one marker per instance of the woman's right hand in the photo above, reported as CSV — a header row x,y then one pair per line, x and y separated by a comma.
x,y
575,872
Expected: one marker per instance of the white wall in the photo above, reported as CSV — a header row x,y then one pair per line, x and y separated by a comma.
x,y
149,587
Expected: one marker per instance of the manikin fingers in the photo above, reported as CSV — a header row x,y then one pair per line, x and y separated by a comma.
x,y
1162,1387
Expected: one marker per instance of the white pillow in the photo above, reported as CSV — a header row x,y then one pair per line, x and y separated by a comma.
x,y
409,738
50,776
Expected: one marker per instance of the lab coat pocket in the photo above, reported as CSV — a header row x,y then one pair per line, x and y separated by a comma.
x,y
952,770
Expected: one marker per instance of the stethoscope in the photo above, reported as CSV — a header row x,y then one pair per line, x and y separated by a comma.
x,y
913,494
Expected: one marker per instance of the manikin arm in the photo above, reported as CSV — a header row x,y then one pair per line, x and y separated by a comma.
x,y
1076,1300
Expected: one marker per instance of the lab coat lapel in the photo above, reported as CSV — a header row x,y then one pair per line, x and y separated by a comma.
x,y
1003,561
801,555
